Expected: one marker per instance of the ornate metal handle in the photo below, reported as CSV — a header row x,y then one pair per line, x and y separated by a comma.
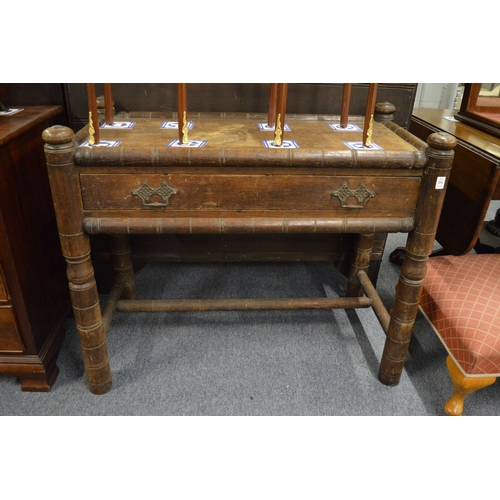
x,y
361,194
145,192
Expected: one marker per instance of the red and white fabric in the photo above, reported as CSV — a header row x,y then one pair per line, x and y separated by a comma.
x,y
461,299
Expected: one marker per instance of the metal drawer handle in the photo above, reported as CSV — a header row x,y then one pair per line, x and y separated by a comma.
x,y
145,192
361,194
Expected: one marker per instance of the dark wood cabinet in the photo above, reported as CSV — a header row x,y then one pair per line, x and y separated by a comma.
x,y
34,297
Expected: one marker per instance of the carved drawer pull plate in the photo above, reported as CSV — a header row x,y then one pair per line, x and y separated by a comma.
x,y
361,194
145,192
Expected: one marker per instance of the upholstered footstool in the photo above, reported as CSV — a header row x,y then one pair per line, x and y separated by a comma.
x,y
461,299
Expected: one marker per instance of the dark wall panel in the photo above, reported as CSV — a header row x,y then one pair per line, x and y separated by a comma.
x,y
315,98
242,97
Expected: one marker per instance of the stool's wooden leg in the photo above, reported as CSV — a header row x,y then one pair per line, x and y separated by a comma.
x,y
462,387
360,262
122,263
75,245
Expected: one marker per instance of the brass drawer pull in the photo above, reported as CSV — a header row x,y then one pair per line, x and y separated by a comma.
x,y
146,192
361,194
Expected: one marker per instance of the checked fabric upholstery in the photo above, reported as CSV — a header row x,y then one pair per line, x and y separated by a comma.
x,y
461,298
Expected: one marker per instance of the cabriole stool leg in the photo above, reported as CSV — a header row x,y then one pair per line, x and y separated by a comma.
x,y
462,387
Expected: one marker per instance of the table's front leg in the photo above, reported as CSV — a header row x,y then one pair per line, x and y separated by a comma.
x,y
87,312
75,245
418,248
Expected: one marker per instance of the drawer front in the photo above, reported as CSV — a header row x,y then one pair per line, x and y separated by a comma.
x,y
10,338
249,192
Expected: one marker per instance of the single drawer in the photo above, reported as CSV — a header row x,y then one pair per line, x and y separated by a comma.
x,y
177,192
10,338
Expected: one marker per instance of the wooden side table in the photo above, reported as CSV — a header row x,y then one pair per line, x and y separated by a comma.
x,y
234,185
473,180
34,298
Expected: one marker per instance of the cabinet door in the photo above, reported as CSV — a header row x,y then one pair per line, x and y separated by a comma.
x,y
10,339
4,294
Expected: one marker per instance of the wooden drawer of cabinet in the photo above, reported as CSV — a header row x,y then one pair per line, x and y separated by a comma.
x,y
10,339
249,192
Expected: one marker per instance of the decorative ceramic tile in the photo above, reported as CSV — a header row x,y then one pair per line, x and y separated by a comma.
x,y
175,125
265,127
359,145
350,127
191,144
10,112
286,144
102,144
118,125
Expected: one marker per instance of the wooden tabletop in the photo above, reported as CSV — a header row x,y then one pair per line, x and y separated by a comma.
x,y
235,133
473,136
235,142
238,141
13,125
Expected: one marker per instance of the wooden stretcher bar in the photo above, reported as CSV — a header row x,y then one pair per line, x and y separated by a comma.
x,y
193,305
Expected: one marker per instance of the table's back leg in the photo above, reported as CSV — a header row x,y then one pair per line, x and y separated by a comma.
x,y
418,248
122,263
75,245
360,262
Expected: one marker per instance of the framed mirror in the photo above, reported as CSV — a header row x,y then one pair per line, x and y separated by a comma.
x,y
481,107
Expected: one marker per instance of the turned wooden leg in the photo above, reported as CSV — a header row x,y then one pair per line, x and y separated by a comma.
x,y
360,262
418,248
75,246
88,319
122,263
462,387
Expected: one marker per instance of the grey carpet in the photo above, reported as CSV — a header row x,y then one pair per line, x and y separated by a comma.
x,y
251,363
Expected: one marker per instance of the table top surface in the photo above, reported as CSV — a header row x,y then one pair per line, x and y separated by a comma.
x,y
15,124
310,133
440,118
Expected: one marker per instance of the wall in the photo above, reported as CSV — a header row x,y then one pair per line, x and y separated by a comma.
x,y
438,95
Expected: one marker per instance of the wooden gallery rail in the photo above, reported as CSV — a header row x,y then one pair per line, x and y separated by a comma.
x,y
143,186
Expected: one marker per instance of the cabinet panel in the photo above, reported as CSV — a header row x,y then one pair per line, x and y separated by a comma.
x,y
33,292
10,338
4,293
